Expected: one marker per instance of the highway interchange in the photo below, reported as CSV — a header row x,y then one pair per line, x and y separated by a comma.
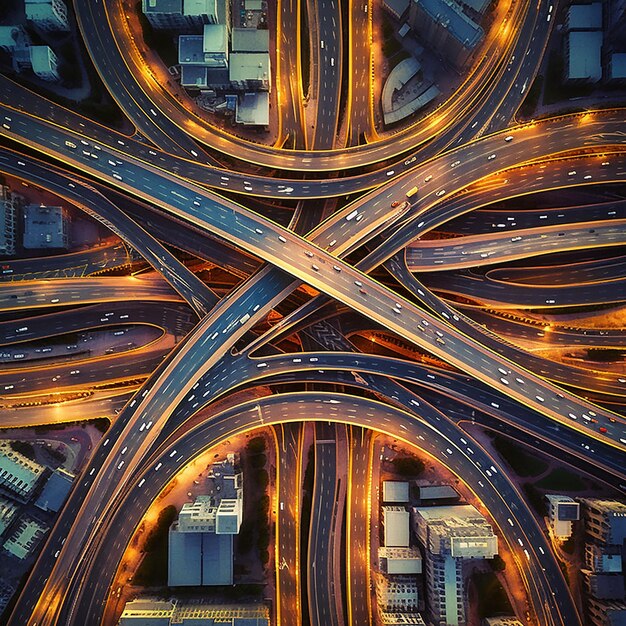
x,y
461,164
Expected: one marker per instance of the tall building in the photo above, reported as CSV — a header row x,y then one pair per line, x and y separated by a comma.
x,y
47,15
201,540
399,593
606,613
562,511
44,63
8,207
450,534
18,474
443,26
153,612
605,520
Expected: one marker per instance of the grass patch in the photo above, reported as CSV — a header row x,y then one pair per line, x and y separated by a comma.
x,y
560,479
491,596
522,463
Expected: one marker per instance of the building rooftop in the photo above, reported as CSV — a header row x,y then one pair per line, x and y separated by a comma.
x,y
253,109
193,76
251,66
584,61
437,492
191,50
42,58
215,38
396,526
250,40
162,6
458,530
450,15
24,538
585,16
200,7
395,491
17,472
153,612
45,226
400,560
55,491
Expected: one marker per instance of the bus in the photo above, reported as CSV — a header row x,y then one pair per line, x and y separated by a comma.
x,y
411,192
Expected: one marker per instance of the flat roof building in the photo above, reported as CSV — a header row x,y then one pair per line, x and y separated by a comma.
x,y
44,62
395,491
18,474
45,227
201,540
24,538
458,530
215,45
250,40
562,511
584,17
437,493
250,71
399,560
449,535
153,612
56,490
396,526
199,559
47,15
583,51
253,109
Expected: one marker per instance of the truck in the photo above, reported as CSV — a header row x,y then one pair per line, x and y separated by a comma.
x,y
411,192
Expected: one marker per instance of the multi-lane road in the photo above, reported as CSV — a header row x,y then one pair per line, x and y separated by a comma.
x,y
175,194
